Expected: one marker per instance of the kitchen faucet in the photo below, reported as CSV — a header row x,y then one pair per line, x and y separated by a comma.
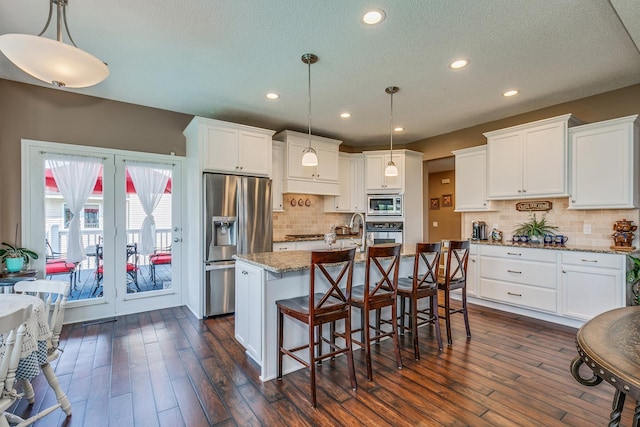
x,y
360,245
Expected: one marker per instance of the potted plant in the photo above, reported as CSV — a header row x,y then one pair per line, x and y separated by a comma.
x,y
14,256
633,278
534,229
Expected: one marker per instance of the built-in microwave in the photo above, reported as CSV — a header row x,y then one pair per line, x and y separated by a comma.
x,y
384,205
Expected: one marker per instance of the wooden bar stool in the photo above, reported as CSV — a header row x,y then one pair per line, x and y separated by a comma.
x,y
418,286
455,277
320,308
378,291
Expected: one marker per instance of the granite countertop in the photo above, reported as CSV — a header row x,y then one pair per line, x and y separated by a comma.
x,y
312,238
577,248
288,261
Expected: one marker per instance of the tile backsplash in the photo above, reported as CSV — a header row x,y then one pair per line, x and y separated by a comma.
x,y
569,222
305,219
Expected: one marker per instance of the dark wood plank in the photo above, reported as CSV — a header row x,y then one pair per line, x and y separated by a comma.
x,y
167,368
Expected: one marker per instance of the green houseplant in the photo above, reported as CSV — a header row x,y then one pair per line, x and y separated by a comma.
x,y
535,229
14,256
633,278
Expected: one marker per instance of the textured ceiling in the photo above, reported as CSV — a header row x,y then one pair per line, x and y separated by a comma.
x,y
218,58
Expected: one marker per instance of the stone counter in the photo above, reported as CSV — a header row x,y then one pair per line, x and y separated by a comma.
x,y
288,261
577,248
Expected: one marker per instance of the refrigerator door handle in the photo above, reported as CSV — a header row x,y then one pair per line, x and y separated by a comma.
x,y
220,265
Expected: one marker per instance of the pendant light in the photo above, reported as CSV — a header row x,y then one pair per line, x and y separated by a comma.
x,y
309,157
53,61
391,169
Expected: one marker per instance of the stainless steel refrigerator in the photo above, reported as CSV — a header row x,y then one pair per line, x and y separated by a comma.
x,y
237,220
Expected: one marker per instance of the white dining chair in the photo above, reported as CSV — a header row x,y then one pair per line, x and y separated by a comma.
x,y
54,293
12,330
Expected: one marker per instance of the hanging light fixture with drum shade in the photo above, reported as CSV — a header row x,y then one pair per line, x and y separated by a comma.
x,y
391,169
309,157
53,61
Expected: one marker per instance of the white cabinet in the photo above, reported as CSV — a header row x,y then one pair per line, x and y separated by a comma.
x,y
277,175
284,246
604,164
592,283
321,179
351,181
375,165
529,160
519,276
229,147
471,179
249,287
358,193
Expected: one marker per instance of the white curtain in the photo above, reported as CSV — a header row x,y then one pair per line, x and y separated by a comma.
x,y
150,183
75,178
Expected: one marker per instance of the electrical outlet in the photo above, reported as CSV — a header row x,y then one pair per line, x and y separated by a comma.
x,y
495,226
435,223
586,228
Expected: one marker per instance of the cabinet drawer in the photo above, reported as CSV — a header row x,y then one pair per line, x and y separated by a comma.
x,y
522,295
589,259
533,273
516,252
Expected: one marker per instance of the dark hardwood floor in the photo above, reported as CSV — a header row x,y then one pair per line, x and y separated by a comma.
x,y
166,368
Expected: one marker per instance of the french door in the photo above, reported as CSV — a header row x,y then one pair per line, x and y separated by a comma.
x,y
127,211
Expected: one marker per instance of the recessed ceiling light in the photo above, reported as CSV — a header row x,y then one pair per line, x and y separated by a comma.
x,y
459,63
345,115
373,17
510,93
272,95
398,129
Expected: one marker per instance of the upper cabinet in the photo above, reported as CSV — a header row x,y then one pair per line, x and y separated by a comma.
x,y
321,179
276,175
529,160
471,179
604,164
375,164
351,178
229,147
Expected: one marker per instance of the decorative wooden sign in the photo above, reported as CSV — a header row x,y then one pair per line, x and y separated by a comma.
x,y
538,205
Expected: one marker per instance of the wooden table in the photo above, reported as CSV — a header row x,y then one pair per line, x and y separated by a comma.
x,y
7,280
609,344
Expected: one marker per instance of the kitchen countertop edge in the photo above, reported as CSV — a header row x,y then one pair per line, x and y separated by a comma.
x,y
576,248
291,261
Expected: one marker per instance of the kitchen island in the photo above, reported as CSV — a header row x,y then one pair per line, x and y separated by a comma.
x,y
264,278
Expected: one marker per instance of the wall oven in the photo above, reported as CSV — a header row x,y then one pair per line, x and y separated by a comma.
x,y
385,232
384,205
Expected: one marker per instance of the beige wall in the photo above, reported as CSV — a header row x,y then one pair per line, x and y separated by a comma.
x,y
33,112
39,113
569,222
449,222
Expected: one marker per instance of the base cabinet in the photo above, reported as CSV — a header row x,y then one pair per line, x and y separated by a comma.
x,y
591,284
562,286
249,286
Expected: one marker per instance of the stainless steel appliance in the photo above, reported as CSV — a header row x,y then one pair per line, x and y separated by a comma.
x,y
237,218
385,232
479,231
384,205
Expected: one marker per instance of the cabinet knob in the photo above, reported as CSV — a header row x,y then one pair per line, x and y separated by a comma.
x,y
564,271
244,272
240,167
519,191
524,191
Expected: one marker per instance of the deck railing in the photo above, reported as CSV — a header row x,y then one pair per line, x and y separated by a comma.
x,y
58,240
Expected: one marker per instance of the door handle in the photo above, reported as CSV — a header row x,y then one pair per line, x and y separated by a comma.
x,y
176,240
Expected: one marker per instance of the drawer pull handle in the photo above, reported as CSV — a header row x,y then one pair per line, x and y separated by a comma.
x,y
589,260
514,253
514,294
513,271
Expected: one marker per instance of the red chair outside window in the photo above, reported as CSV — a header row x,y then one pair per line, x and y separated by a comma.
x,y
159,258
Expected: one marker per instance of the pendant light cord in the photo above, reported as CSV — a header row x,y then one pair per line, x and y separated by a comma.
x,y
391,127
309,92
62,6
